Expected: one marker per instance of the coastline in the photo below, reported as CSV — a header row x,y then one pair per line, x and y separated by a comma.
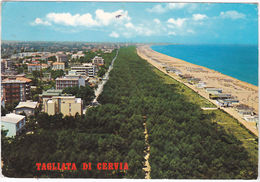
x,y
244,82
245,92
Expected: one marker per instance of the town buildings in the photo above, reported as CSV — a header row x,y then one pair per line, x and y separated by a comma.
x,y
67,105
14,123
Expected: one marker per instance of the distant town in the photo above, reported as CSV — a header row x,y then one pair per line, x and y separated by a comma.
x,y
35,77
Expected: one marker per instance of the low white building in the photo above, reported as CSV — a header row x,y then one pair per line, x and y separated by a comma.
x,y
14,123
27,107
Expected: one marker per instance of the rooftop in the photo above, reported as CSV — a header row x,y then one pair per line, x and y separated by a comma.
x,y
58,63
51,92
34,65
67,78
12,118
23,79
16,80
28,104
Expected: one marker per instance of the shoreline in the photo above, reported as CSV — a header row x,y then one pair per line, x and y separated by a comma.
x,y
245,92
250,84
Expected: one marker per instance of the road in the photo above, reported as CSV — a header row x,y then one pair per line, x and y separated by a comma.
x,y
100,87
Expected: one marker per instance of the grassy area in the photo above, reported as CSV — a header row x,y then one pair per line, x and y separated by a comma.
x,y
191,95
230,124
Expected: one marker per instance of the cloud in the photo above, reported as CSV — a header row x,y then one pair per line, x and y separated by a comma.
x,y
232,15
106,18
114,35
129,25
102,18
72,20
171,33
39,21
164,7
138,30
198,17
157,9
157,21
176,22
176,5
190,31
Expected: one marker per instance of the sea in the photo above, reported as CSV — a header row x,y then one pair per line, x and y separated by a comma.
x,y
238,61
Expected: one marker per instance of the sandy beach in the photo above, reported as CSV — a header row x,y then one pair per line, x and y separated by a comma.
x,y
246,93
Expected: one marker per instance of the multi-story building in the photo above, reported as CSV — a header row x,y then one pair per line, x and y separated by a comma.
x,y
14,123
99,61
58,66
80,70
48,94
67,105
68,81
7,64
15,89
34,67
61,58
91,69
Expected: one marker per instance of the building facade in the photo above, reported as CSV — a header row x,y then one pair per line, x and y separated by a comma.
x,y
99,61
34,67
14,123
61,58
15,89
48,94
27,107
67,105
68,81
58,66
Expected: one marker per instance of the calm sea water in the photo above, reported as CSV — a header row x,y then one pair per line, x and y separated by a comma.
x,y
238,61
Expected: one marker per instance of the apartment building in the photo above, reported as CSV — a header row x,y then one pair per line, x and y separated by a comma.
x,y
34,67
69,81
48,94
67,105
15,89
58,66
99,61
61,58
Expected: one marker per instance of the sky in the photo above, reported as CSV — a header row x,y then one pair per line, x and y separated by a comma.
x,y
194,23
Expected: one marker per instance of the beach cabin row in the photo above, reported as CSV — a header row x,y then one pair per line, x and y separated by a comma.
x,y
173,70
247,113
223,100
